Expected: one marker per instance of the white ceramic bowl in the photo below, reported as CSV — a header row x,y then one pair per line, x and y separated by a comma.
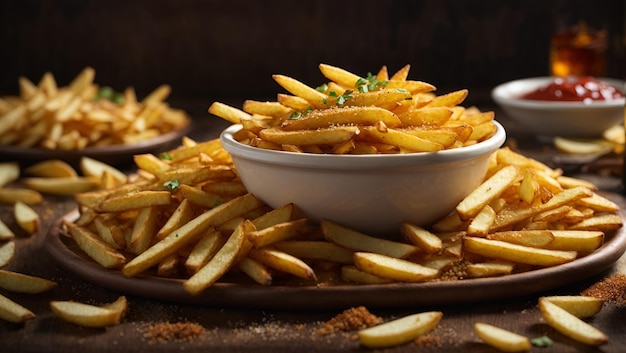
x,y
567,119
370,193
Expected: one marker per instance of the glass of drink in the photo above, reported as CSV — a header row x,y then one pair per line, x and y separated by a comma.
x,y
579,51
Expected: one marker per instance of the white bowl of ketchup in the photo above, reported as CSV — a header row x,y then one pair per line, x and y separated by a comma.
x,y
575,107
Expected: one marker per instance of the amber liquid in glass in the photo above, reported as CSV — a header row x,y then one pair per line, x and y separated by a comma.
x,y
578,51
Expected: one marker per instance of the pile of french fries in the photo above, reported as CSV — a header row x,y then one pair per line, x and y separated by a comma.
x,y
83,115
186,214
377,114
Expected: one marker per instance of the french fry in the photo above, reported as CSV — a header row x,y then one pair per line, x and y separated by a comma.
x,y
277,232
570,325
87,315
255,270
393,268
203,251
576,240
421,238
502,339
94,247
53,168
399,331
497,249
220,263
13,195
533,238
490,269
133,201
284,262
7,250
13,312
95,168
352,274
325,118
21,283
9,172
578,305
486,192
65,186
26,217
357,241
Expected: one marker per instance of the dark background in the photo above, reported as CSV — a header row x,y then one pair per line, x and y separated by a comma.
x,y
225,50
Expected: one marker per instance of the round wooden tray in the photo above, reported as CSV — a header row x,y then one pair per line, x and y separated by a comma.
x,y
238,295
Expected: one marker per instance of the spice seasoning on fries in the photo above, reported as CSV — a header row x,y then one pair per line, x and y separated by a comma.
x,y
83,115
350,114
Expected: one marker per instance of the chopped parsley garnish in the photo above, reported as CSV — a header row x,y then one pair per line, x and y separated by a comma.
x,y
172,184
106,92
166,156
370,83
323,88
543,341
298,115
341,99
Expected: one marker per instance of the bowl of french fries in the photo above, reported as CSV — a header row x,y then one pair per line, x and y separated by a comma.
x,y
368,152
565,118
47,120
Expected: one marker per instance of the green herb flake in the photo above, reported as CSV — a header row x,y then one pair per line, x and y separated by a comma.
x,y
171,184
323,88
345,97
298,115
369,83
543,341
166,156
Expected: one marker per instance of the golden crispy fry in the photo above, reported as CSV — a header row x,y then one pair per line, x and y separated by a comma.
x,y
27,196
283,262
53,168
9,172
393,268
26,217
486,192
13,312
90,315
497,249
570,325
221,262
7,250
354,240
399,331
94,247
502,339
66,186
578,305
21,283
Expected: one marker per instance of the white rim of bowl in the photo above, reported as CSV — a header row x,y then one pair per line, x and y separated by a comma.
x,y
501,95
362,162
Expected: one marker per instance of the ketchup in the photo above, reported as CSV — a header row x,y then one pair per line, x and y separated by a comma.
x,y
571,89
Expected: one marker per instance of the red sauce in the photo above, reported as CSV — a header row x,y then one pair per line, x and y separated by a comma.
x,y
571,89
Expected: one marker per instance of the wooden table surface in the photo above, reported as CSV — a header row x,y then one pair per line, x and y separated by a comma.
x,y
243,330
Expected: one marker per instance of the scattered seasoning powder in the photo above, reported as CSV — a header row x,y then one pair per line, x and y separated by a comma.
x,y
167,331
349,320
611,289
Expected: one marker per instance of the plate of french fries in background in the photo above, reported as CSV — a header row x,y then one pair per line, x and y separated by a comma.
x,y
183,228
49,121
